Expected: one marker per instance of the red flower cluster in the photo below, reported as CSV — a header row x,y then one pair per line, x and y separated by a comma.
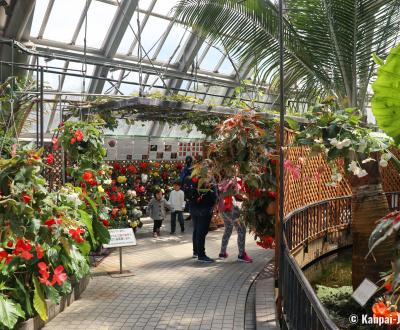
x,y
179,166
26,198
50,159
58,276
78,136
54,141
76,234
50,222
143,166
23,248
4,255
266,242
132,169
87,176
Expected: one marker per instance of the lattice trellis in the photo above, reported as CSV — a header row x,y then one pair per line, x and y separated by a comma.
x,y
315,174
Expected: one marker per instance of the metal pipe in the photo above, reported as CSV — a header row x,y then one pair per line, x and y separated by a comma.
x,y
281,157
37,103
41,108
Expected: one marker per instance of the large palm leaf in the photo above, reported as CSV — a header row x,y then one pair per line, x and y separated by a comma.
x,y
329,43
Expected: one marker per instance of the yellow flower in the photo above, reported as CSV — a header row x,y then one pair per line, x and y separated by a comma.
x,y
100,189
123,211
121,179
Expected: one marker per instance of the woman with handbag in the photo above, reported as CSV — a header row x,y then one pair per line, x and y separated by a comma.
x,y
230,205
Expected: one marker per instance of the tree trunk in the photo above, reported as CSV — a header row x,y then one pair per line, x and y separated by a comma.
x,y
369,204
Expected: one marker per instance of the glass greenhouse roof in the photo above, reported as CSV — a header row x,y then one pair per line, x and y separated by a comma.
x,y
146,50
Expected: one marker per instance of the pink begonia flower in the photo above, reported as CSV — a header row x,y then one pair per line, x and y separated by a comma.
x,y
294,170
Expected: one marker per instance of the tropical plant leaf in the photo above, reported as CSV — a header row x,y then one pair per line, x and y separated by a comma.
x,y
386,100
9,312
88,221
39,302
101,232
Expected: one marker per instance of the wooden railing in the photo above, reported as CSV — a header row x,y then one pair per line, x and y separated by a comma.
x,y
301,308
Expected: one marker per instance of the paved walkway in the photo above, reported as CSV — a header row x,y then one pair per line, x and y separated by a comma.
x,y
170,290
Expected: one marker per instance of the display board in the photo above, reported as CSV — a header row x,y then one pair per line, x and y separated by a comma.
x,y
152,149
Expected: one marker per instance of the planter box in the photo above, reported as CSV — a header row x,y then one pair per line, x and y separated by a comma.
x,y
53,310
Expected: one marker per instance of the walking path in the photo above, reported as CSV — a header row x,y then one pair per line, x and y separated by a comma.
x,y
169,289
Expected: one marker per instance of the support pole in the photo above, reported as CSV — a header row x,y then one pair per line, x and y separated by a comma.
x,y
120,260
281,158
41,108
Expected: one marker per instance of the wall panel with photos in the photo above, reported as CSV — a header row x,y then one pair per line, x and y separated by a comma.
x,y
142,148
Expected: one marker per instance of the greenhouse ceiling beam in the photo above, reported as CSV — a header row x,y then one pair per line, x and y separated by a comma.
x,y
118,27
18,20
186,59
61,51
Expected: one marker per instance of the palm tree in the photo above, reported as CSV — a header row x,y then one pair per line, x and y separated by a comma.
x,y
329,43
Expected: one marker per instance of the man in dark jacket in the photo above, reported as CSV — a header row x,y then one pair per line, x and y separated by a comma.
x,y
201,209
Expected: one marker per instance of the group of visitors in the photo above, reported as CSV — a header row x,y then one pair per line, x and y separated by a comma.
x,y
200,206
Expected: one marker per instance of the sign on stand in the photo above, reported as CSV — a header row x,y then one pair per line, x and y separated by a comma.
x,y
120,238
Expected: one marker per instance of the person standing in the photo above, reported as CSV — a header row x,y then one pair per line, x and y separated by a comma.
x,y
177,203
184,177
201,202
230,205
157,211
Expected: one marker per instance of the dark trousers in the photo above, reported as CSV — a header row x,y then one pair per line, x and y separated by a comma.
x,y
157,226
180,219
201,221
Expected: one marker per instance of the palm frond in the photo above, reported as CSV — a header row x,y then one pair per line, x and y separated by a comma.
x,y
329,43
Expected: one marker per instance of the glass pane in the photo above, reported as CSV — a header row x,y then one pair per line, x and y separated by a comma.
x,y
164,7
40,10
100,16
129,89
130,36
63,20
226,67
211,60
51,80
176,37
145,4
152,33
75,84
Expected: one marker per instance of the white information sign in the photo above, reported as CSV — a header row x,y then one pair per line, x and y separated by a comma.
x,y
364,292
121,237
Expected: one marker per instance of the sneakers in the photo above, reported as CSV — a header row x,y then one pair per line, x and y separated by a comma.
x,y
245,258
154,235
158,233
205,259
172,233
223,255
194,256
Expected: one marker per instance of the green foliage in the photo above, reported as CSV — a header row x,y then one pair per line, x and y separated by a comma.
x,y
38,299
340,134
9,312
386,100
244,147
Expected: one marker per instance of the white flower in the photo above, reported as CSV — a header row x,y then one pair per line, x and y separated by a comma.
x,y
131,193
73,198
107,182
361,173
346,143
368,160
144,177
383,162
353,166
333,142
